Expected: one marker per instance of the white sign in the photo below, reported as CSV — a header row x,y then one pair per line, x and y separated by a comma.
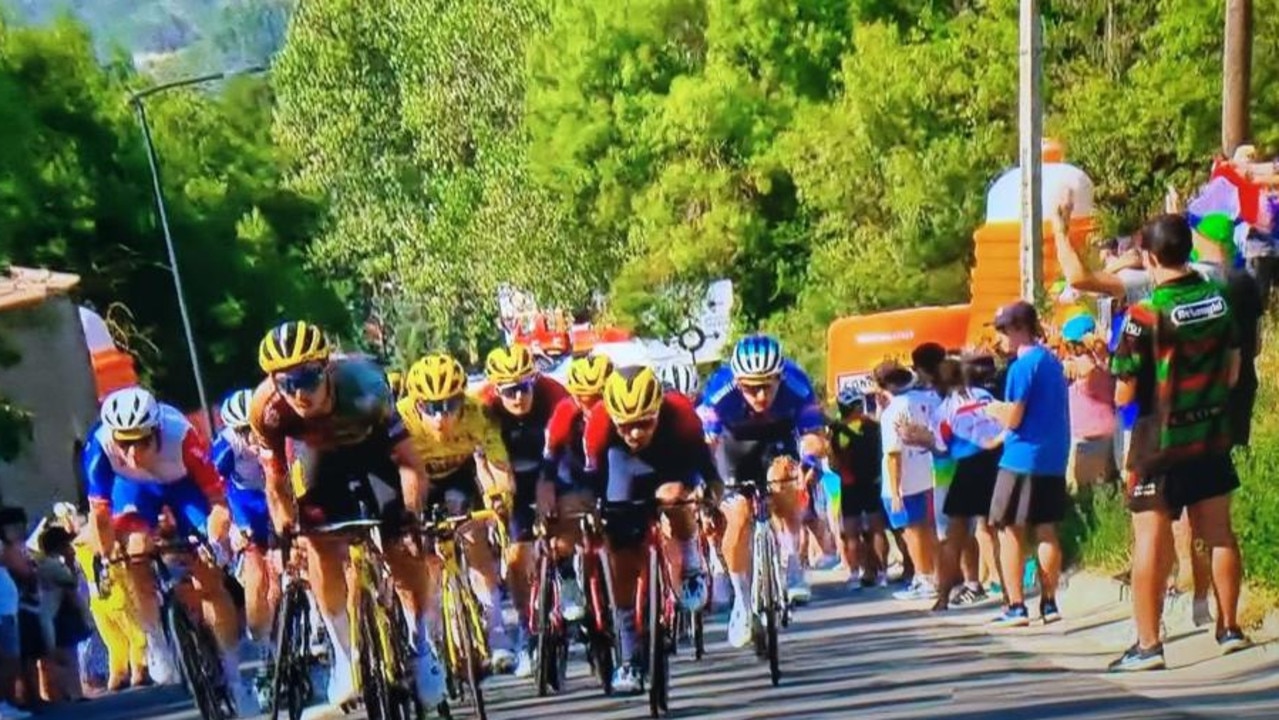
x,y
862,382
706,336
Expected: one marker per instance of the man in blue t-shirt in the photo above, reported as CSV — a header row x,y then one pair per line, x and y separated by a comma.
x,y
1031,487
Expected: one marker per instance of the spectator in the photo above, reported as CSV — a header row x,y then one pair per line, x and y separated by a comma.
x,y
971,437
908,474
857,455
64,618
1092,403
119,630
10,652
1030,490
1179,359
31,640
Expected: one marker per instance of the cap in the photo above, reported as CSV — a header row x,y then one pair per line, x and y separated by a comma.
x,y
1076,328
893,376
1021,313
1217,227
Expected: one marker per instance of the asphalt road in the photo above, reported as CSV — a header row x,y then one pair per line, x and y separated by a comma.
x,y
865,655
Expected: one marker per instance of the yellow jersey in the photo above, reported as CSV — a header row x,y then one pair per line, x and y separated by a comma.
x,y
476,430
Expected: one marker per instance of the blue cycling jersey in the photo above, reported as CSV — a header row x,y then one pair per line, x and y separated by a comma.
x,y
237,463
795,408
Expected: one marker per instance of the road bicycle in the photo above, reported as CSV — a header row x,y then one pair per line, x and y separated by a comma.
x,y
770,606
465,642
198,654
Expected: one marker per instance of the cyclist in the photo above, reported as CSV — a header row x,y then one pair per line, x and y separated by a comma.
x,y
235,456
650,445
455,438
757,407
350,450
565,487
522,399
681,378
142,457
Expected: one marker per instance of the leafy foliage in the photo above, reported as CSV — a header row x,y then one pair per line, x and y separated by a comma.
x,y
78,197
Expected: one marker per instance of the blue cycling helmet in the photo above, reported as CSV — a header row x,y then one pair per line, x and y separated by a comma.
x,y
756,356
849,396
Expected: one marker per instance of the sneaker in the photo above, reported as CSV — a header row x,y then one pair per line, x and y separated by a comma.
x,y
1015,616
694,596
627,680
920,590
572,601
739,626
881,579
1137,659
503,661
827,562
1049,612
9,712
1201,612
244,698
524,664
965,596
1232,641
160,661
430,678
797,589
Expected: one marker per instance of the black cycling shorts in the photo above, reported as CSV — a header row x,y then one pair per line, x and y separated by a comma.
x,y
352,482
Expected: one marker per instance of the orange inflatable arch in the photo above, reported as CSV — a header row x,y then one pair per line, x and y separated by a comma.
x,y
855,345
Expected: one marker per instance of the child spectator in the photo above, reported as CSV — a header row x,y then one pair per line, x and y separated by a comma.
x,y
1092,403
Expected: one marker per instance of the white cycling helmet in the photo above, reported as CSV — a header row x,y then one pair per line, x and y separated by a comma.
x,y
235,409
679,377
756,357
131,413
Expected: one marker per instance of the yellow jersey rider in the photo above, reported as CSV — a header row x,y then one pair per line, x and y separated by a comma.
x,y
461,446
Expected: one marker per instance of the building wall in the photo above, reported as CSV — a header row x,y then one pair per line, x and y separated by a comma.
x,y
54,381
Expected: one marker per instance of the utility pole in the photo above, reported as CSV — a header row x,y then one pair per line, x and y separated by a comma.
x,y
1236,77
1030,107
136,100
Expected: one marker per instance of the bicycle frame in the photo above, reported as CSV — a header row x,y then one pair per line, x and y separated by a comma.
x,y
458,603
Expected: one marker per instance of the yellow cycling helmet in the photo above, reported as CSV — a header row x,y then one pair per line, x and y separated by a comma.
x,y
291,344
435,377
509,365
633,398
586,375
395,379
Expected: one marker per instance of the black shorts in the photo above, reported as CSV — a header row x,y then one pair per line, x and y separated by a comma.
x,y
974,485
356,482
860,498
741,458
464,481
1023,499
1183,485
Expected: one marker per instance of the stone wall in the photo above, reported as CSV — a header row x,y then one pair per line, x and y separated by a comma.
x,y
54,381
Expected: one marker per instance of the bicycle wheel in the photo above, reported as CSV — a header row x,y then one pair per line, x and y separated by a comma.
x,y
658,661
405,661
770,602
466,647
291,687
600,623
548,644
699,634
374,688
201,663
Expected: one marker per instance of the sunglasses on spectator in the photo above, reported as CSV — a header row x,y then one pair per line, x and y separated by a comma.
x,y
511,391
641,425
304,379
436,408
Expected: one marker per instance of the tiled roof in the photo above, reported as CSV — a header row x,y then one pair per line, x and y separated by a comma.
x,y
20,287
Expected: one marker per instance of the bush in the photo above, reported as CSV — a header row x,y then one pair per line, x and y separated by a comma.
x,y
1098,532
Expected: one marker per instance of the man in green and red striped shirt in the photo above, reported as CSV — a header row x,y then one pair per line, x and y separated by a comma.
x,y
1178,359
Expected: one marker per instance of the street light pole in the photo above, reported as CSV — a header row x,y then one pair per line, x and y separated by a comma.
x,y
136,100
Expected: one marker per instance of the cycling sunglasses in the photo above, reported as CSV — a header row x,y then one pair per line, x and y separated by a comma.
x,y
511,391
436,408
304,379
641,425
132,442
756,388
